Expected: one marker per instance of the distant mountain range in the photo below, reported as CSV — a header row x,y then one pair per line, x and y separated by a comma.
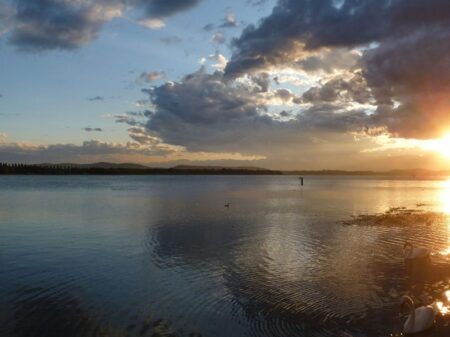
x,y
103,165
194,167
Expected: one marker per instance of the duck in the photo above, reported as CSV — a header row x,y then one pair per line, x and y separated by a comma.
x,y
419,319
412,253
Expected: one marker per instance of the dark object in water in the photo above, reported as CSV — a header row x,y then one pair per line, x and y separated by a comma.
x,y
398,217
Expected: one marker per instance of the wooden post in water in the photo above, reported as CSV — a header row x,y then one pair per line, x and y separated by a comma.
x,y
301,180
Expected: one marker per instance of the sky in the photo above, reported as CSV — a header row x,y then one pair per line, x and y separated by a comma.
x,y
287,84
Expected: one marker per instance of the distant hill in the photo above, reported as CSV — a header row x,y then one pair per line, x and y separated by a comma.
x,y
199,167
103,165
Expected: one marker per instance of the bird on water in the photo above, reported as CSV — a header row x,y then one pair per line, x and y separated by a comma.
x,y
419,319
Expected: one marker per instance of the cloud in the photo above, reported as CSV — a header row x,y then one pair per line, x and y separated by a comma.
x,y
165,8
141,103
209,113
329,60
95,98
206,113
339,91
89,129
57,24
173,39
151,76
218,38
39,25
208,27
256,2
229,21
6,15
296,25
88,151
142,149
151,23
221,60
3,137
410,81
400,48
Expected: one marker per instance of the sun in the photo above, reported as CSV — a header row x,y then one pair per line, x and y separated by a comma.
x,y
445,145
441,145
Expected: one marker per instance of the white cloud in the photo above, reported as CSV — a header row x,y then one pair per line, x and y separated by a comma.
x,y
150,76
3,137
221,61
152,23
218,37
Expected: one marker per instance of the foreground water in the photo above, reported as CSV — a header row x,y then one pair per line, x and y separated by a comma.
x,y
162,256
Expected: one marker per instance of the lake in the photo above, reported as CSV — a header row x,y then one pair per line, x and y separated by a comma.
x,y
163,256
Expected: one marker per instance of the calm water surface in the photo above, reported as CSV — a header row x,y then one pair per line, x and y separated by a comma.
x,y
162,256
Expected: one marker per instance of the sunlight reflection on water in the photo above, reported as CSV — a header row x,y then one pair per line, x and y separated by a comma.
x,y
133,256
445,208
444,309
445,197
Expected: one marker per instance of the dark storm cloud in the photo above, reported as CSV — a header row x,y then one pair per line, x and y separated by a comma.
x,y
57,24
165,8
410,79
405,61
37,25
285,113
319,23
205,112
339,91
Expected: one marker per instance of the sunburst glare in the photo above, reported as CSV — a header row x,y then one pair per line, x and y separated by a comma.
x,y
441,145
445,207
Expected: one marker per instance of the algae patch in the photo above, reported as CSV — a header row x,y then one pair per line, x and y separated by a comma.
x,y
399,216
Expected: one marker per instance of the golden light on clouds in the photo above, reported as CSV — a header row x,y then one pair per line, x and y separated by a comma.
x,y
385,142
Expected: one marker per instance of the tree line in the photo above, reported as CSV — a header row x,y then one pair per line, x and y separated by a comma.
x,y
60,169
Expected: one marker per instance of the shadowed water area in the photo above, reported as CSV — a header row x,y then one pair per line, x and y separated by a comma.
x,y
162,256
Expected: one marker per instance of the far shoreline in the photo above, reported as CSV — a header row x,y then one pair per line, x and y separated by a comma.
x,y
128,169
